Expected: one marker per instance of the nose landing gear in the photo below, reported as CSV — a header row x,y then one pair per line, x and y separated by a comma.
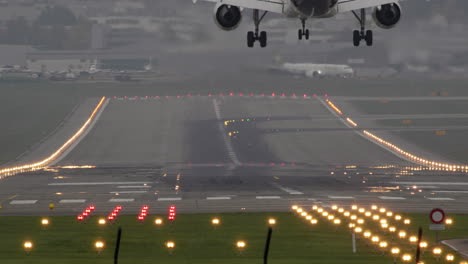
x,y
303,32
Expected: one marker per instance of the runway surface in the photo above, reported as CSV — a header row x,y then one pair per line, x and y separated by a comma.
x,y
227,154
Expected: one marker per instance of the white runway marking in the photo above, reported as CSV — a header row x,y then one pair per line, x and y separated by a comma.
x,y
440,199
68,201
170,199
267,197
286,189
92,183
451,191
219,198
340,197
23,202
391,198
121,200
226,139
132,186
430,183
129,192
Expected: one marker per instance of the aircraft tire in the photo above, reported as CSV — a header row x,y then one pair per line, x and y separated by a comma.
x,y
356,38
263,39
369,37
250,39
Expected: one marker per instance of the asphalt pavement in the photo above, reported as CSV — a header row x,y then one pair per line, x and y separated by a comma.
x,y
226,153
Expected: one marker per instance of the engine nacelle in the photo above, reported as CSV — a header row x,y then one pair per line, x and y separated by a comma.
x,y
387,16
227,17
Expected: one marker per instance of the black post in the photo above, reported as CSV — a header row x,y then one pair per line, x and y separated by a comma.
x,y
418,248
117,246
267,245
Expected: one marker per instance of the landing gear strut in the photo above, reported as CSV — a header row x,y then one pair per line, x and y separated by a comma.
x,y
362,34
303,32
254,36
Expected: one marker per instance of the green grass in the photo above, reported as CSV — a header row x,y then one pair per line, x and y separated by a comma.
x,y
293,241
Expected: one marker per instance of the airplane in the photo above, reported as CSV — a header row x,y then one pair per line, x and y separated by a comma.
x,y
228,15
312,70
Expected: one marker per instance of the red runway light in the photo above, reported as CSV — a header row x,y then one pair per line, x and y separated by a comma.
x,y
273,94
80,218
231,94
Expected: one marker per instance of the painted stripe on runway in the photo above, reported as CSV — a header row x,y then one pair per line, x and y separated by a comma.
x,y
431,183
92,183
440,198
170,199
219,198
133,186
391,198
267,197
121,200
450,191
340,197
68,201
129,192
286,189
23,202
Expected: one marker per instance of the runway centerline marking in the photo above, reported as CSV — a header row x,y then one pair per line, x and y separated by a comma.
x,y
267,197
218,198
68,201
391,198
92,183
133,186
121,200
170,199
286,189
340,197
21,202
440,199
127,192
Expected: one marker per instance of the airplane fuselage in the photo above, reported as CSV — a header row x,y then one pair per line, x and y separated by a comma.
x,y
309,8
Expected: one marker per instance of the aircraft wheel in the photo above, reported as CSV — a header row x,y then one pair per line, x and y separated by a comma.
x,y
263,39
369,37
307,34
250,39
356,38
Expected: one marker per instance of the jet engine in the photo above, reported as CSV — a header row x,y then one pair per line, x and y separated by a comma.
x,y
387,16
227,17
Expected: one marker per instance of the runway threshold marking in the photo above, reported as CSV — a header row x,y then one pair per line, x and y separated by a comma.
x,y
21,202
219,198
170,199
69,201
121,200
391,198
267,197
92,183
440,199
286,189
340,197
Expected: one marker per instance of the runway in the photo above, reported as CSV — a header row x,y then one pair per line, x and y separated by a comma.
x,y
227,154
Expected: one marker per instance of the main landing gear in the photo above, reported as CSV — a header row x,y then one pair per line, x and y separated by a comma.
x,y
363,34
303,32
256,36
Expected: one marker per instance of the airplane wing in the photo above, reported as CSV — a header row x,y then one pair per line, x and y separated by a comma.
x,y
274,6
350,5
